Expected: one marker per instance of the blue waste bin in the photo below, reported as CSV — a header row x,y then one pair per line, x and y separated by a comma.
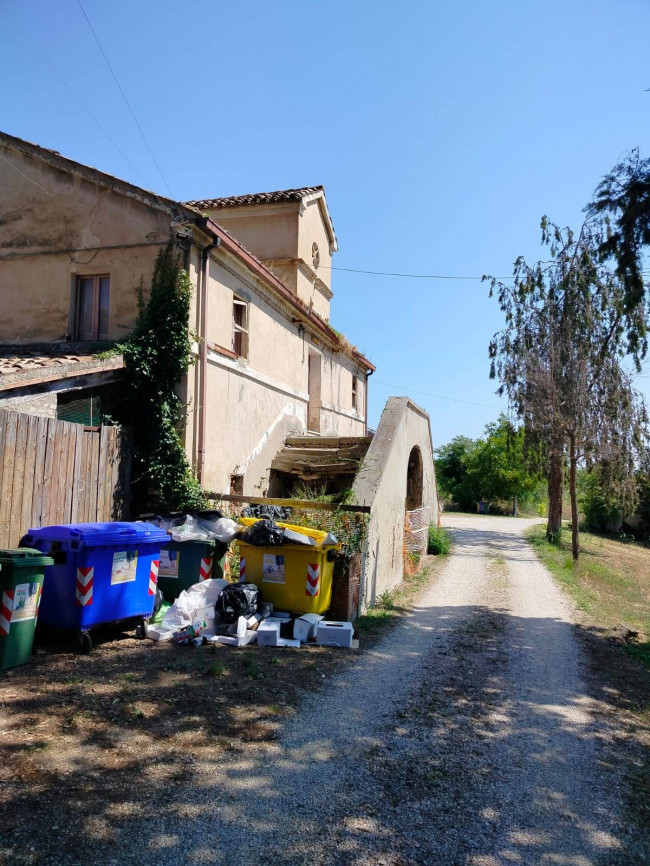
x,y
102,572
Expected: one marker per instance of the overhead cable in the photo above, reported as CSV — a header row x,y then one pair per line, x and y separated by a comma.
x,y
135,119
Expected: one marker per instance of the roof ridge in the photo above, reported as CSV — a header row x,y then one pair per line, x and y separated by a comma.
x,y
293,194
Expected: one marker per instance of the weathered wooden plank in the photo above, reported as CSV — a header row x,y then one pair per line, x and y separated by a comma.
x,y
49,476
30,472
327,441
102,481
67,460
8,457
77,449
113,471
3,428
57,492
16,512
39,472
93,471
306,504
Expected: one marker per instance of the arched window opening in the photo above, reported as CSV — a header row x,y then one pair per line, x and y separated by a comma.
x,y
414,480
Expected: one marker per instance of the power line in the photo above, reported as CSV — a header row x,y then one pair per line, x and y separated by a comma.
x,y
135,119
437,396
410,276
81,103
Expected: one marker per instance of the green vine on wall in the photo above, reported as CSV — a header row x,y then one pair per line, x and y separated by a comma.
x,y
157,356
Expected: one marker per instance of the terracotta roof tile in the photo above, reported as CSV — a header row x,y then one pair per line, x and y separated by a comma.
x,y
256,198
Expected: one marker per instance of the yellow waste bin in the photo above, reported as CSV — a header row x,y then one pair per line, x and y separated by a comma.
x,y
293,577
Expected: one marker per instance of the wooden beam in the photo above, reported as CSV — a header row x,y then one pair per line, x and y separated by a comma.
x,y
305,504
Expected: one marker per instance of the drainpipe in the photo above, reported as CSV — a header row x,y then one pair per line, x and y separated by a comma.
x,y
365,419
203,356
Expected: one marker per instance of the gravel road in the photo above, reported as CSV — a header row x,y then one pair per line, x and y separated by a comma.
x,y
467,736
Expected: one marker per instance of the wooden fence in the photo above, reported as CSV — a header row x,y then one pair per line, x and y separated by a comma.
x,y
54,472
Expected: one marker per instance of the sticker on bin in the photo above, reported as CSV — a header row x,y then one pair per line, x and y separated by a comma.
x,y
169,562
205,571
84,588
125,565
153,577
312,586
273,568
26,598
242,569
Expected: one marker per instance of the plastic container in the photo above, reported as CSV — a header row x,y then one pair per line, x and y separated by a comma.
x,y
102,572
293,577
184,563
21,583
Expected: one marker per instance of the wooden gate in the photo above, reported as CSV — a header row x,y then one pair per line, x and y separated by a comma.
x,y
55,472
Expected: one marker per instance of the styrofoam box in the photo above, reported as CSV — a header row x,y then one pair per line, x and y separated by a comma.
x,y
304,627
268,633
329,633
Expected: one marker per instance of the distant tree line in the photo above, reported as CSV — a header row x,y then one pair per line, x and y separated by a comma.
x,y
493,469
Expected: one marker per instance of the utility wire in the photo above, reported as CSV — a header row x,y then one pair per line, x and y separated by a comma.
x,y
437,396
78,99
135,119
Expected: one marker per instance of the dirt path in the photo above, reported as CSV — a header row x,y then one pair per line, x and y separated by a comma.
x,y
467,737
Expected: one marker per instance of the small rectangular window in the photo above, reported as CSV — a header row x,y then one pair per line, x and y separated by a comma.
x,y
92,306
355,392
240,327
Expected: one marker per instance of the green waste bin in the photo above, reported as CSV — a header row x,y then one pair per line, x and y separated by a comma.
x,y
21,581
184,563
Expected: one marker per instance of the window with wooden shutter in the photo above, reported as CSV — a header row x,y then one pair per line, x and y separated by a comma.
x,y
240,327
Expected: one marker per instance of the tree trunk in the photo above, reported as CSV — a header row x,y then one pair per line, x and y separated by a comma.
x,y
554,522
515,510
575,542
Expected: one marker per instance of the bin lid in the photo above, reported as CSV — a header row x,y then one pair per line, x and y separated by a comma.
x,y
99,534
23,557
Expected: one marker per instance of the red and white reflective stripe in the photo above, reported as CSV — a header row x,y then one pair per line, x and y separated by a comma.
x,y
205,571
84,589
242,568
6,608
153,576
312,586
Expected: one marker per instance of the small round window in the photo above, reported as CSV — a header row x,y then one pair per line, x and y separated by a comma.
x,y
315,255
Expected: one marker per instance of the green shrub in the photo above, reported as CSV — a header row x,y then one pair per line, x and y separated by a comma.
x,y
439,542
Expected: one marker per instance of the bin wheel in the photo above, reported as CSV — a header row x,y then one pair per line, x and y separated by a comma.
x,y
85,642
141,630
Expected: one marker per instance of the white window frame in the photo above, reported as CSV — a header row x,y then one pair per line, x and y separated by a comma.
x,y
240,329
355,392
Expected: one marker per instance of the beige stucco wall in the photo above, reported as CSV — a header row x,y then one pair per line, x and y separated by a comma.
x,y
252,404
280,234
261,399
44,209
381,483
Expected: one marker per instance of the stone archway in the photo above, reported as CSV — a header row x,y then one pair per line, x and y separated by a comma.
x,y
414,480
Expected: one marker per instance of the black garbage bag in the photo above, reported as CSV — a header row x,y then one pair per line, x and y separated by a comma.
x,y
263,533
235,600
275,512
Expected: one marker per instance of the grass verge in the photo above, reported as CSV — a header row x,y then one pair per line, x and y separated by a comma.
x,y
610,582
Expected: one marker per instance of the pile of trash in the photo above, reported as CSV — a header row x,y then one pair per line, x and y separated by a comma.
x,y
216,611
263,530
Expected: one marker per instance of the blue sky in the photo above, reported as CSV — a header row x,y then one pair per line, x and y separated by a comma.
x,y
442,132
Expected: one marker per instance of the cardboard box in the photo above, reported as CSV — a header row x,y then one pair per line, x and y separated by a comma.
x,y
236,640
330,633
304,628
268,633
